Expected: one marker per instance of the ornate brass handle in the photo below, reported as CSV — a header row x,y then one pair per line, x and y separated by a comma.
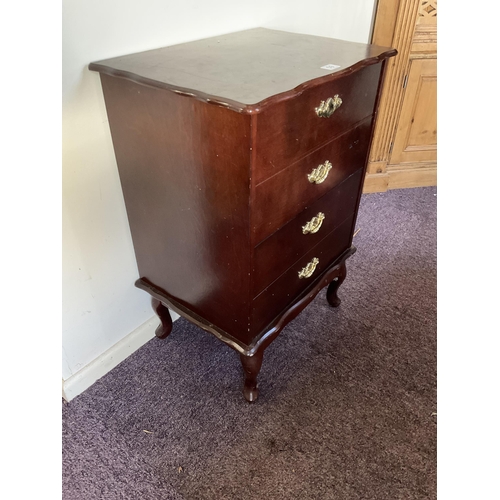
x,y
320,173
328,107
309,269
314,224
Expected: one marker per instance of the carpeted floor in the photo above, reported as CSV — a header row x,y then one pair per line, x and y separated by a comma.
x,y
347,396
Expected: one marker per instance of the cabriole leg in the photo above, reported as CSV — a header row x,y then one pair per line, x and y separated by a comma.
x,y
251,367
331,293
164,329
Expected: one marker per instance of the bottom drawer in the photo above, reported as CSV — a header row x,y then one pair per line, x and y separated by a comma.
x,y
278,295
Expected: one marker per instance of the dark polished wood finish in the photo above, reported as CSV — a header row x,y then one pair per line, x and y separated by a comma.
x,y
346,155
288,129
275,255
251,368
244,71
214,141
331,292
184,170
281,292
165,327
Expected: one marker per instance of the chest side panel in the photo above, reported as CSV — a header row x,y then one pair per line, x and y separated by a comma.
x,y
184,170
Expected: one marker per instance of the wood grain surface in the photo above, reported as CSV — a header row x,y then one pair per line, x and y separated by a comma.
x,y
184,169
244,68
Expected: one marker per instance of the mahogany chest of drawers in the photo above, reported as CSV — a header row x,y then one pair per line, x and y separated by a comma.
x,y
242,159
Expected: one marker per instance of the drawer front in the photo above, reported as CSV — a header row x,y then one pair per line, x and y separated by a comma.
x,y
283,291
288,130
281,250
279,199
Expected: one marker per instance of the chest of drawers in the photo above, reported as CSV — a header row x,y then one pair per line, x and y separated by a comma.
x,y
242,159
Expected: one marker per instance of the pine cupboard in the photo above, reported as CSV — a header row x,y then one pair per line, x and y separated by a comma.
x,y
404,149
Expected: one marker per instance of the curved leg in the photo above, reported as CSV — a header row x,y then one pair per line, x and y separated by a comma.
x,y
331,293
164,329
251,367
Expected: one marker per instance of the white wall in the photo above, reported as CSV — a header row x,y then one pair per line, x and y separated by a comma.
x,y
101,305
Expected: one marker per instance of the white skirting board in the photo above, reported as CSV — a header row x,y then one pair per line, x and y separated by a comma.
x,y
104,363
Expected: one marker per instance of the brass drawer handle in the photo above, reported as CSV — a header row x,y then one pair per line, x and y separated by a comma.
x,y
309,269
320,173
314,224
328,107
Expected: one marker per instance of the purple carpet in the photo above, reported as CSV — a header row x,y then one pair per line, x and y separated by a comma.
x,y
347,396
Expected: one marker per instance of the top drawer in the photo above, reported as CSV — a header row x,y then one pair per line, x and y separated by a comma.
x,y
291,128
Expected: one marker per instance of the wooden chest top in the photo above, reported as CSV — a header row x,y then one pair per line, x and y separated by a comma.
x,y
242,70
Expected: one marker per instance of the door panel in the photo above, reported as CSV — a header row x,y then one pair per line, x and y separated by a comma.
x,y
416,136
